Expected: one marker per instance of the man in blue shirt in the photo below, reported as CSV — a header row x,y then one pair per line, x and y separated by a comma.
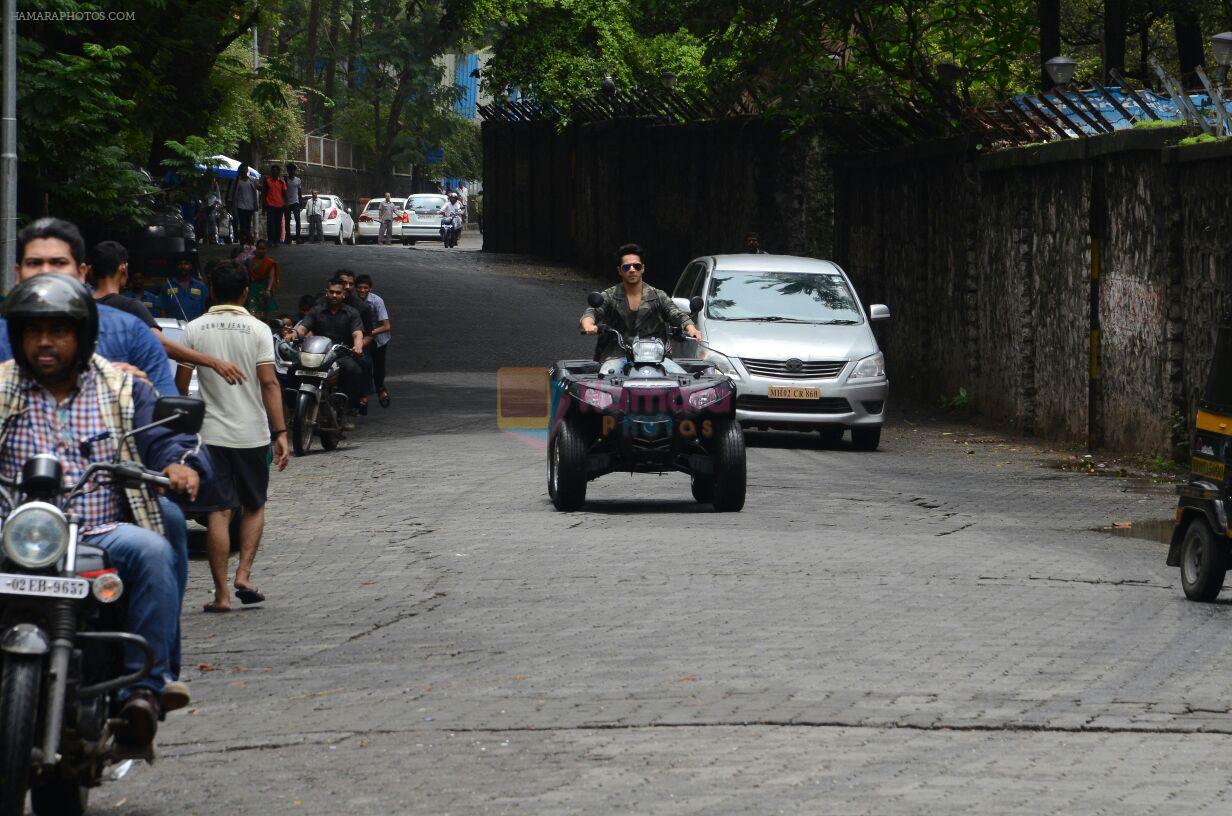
x,y
184,296
53,245
137,290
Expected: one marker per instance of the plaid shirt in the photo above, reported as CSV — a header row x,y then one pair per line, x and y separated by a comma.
x,y
43,426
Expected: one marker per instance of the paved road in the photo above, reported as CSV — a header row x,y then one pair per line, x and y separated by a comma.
x,y
934,628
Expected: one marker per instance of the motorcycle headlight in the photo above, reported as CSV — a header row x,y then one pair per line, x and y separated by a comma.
x,y
869,368
311,360
35,535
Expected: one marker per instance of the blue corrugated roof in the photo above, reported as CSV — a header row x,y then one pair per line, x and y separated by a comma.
x,y
1164,107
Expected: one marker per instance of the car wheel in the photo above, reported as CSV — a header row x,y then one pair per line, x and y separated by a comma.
x,y
730,473
703,489
567,466
1203,563
410,242
866,439
830,437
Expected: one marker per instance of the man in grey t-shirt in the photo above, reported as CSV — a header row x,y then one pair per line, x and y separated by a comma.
x,y
239,422
292,203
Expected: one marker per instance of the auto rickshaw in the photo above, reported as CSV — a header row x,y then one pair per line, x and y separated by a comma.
x,y
1200,539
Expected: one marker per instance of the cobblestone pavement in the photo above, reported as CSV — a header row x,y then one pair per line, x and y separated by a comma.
x,y
934,628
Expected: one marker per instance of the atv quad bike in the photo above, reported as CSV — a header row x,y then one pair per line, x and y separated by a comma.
x,y
645,413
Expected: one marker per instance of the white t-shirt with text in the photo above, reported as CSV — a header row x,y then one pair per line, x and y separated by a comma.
x,y
234,414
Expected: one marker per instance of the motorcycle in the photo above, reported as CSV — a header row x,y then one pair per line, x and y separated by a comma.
x,y
313,403
646,413
451,230
63,618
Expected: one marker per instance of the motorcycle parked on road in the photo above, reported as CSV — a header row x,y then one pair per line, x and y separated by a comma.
x,y
62,633
314,405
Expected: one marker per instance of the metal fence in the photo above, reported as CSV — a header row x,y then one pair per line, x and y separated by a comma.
x,y
879,121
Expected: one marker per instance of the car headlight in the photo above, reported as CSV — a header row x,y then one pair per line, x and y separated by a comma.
x,y
310,359
35,535
869,368
720,361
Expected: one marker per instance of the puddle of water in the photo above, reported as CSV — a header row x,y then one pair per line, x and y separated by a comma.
x,y
1150,530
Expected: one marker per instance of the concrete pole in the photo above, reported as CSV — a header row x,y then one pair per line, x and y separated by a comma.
x,y
8,151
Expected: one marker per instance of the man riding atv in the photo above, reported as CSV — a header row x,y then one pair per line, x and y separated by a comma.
x,y
633,308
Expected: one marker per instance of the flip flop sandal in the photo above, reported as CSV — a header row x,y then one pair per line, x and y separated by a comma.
x,y
215,608
249,595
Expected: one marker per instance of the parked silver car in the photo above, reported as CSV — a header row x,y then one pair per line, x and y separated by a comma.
x,y
803,352
174,328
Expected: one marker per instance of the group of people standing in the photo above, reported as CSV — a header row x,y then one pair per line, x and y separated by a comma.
x,y
279,197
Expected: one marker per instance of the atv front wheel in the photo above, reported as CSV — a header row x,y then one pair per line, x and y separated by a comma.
x,y
729,467
567,467
703,489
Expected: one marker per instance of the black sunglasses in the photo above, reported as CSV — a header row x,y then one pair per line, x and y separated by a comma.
x,y
636,267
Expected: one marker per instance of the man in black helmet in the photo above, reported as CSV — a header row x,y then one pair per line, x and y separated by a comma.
x,y
58,397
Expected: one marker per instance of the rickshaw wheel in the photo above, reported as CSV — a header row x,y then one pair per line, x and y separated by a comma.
x,y
1203,563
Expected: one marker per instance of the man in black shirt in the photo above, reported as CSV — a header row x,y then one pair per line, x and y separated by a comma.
x,y
367,316
109,266
341,324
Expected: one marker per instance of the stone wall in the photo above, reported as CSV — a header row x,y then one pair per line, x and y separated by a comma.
x,y
681,191
986,262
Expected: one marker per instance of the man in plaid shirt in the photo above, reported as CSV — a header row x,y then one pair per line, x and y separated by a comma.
x,y
58,397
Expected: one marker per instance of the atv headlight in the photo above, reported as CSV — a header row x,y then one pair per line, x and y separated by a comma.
x,y
649,351
597,398
35,535
310,359
869,368
707,397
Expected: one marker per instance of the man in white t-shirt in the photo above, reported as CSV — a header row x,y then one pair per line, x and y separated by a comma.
x,y
239,421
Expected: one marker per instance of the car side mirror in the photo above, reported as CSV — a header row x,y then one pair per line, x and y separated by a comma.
x,y
696,304
185,414
681,303
878,311
595,300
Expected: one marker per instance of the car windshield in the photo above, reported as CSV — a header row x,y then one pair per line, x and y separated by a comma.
x,y
427,202
789,297
375,204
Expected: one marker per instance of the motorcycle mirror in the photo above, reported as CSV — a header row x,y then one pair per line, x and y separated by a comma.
x,y
595,300
696,304
180,414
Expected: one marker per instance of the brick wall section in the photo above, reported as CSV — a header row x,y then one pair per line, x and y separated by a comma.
x,y
985,262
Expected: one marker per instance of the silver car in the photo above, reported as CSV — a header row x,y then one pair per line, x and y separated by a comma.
x,y
423,217
803,352
173,329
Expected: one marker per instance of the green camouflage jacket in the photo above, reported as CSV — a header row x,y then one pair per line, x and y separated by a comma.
x,y
656,313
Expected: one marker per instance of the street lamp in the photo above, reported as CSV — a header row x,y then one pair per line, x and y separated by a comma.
x,y
669,79
1061,70
1221,46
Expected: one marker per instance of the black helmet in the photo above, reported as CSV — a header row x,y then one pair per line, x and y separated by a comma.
x,y
51,295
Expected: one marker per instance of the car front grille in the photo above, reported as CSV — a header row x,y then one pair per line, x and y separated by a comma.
x,y
825,405
821,370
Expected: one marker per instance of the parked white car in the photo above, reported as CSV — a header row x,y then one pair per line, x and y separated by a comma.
x,y
803,351
370,225
173,329
337,225
423,217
